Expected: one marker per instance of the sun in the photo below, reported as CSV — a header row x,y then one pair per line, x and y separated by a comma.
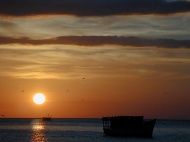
x,y
39,98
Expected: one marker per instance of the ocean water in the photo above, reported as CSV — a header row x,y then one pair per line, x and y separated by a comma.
x,y
84,130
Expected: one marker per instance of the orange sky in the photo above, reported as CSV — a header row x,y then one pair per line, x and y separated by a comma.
x,y
133,62
96,97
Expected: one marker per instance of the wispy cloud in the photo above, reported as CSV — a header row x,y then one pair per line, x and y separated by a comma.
x,y
100,40
92,7
170,27
68,61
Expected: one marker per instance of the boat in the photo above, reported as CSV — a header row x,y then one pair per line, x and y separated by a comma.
x,y
134,126
47,118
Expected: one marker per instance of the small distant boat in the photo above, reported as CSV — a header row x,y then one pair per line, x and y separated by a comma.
x,y
48,118
134,126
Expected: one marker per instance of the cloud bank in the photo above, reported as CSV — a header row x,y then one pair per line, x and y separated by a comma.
x,y
100,40
92,7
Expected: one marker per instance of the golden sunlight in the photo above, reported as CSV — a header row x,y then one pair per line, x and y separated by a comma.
x,y
39,98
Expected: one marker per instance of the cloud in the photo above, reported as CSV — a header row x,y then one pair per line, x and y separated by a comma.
x,y
7,24
99,41
92,7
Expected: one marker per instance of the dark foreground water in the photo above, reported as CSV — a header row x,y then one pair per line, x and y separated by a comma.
x,y
84,130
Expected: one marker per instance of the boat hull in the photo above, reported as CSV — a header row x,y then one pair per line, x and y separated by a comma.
x,y
145,129
46,118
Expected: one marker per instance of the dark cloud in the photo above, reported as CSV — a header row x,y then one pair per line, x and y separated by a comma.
x,y
91,7
101,40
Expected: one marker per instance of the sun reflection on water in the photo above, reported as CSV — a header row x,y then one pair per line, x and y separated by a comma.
x,y
38,131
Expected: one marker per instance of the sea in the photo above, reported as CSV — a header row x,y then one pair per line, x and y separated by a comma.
x,y
84,130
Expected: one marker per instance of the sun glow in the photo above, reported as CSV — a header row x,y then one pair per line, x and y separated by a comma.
x,y
39,98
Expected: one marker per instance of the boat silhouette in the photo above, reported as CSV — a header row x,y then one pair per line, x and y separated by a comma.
x,y
134,126
47,118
